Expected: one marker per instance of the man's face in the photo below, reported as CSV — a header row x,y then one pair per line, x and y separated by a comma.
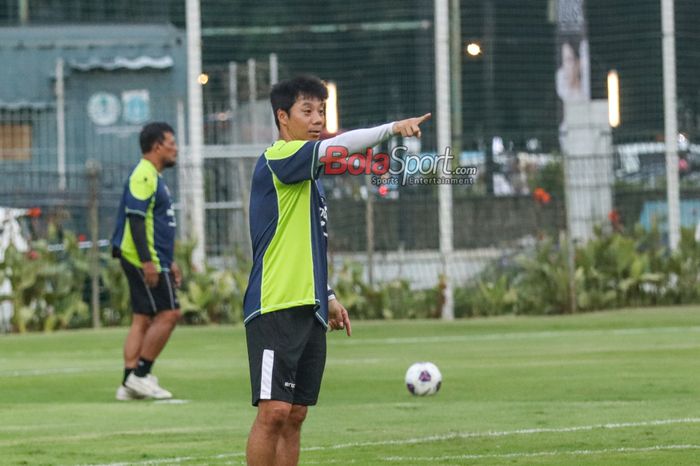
x,y
305,120
167,150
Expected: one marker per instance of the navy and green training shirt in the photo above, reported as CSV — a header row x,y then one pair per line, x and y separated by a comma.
x,y
287,229
146,194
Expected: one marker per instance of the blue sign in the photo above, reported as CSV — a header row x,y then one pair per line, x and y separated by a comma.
x,y
137,108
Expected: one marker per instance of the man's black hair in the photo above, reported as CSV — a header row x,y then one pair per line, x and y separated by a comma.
x,y
153,133
285,93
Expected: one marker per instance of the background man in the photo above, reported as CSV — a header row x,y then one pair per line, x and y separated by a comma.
x,y
144,240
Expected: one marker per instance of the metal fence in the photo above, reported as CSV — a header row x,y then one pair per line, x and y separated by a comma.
x,y
518,59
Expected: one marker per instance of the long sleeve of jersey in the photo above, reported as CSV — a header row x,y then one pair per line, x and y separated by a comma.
x,y
137,224
358,140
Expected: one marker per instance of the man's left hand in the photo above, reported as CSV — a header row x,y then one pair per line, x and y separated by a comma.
x,y
338,317
177,274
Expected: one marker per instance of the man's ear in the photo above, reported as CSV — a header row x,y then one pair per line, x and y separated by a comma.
x,y
282,117
154,146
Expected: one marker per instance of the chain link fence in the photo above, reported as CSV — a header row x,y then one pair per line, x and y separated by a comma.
x,y
380,55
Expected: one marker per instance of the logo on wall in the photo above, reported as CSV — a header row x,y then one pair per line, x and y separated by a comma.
x,y
103,108
136,105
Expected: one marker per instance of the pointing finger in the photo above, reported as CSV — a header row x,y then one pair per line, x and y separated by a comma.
x,y
424,117
346,319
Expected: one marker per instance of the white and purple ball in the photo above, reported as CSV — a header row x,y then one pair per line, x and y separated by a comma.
x,y
423,378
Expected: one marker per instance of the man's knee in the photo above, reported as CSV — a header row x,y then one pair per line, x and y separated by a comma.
x,y
297,416
140,323
170,317
274,414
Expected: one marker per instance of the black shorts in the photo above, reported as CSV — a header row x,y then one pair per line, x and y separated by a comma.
x,y
149,301
287,356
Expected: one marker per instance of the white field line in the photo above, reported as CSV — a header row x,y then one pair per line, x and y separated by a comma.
x,y
58,370
505,433
324,462
414,340
518,335
605,451
99,435
435,438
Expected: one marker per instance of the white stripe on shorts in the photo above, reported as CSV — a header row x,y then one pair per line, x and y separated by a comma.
x,y
266,377
170,290
148,290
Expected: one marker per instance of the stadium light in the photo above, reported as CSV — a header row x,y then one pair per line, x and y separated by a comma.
x,y
203,79
473,49
613,99
332,124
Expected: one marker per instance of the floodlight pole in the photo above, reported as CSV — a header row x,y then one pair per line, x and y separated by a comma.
x,y
194,201
671,122
444,139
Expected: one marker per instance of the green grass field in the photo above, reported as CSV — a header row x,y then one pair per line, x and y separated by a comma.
x,y
617,388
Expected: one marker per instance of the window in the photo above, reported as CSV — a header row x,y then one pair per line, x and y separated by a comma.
x,y
15,141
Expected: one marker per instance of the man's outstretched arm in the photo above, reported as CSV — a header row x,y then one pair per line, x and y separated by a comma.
x,y
360,140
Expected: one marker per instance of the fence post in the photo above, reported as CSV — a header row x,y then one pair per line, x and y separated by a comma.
x,y
92,169
444,139
671,122
252,99
244,186
195,178
233,102
274,79
369,232
61,124
566,239
456,54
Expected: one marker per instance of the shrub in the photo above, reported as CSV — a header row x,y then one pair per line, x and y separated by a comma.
x,y
613,270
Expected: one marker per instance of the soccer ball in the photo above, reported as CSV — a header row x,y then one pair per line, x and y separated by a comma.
x,y
423,378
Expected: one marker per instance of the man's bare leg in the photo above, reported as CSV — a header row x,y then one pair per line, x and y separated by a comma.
x,y
289,442
158,334
266,432
134,339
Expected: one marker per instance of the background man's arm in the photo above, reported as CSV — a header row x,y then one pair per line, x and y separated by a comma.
x,y
137,224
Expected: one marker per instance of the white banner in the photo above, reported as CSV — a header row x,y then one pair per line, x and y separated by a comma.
x,y
573,78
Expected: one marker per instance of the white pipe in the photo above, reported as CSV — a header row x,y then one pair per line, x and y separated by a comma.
x,y
274,79
61,124
233,100
182,172
671,122
252,99
196,135
444,138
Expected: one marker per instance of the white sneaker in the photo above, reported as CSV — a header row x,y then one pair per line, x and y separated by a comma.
x,y
147,387
127,394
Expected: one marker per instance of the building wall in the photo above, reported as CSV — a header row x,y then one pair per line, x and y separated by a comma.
x,y
110,59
